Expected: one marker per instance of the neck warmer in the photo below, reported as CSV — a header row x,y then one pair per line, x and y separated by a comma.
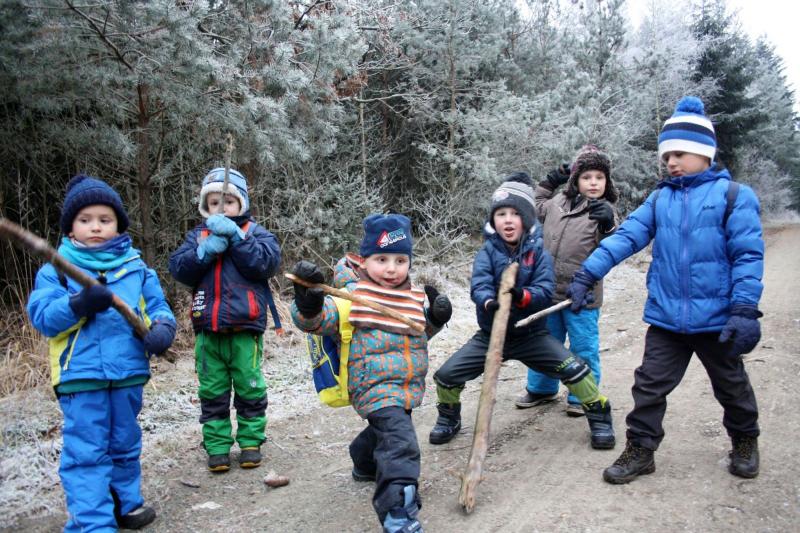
x,y
107,256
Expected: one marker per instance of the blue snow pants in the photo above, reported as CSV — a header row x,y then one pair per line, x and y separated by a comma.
x,y
584,341
102,444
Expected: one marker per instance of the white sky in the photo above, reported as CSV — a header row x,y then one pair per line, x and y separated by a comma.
x,y
777,19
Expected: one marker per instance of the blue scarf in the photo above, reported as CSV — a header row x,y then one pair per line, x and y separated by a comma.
x,y
102,258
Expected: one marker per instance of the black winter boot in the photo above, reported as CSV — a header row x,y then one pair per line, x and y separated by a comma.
x,y
634,461
136,519
448,424
219,463
600,424
744,456
250,457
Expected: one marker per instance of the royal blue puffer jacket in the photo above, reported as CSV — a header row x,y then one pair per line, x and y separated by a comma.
x,y
535,275
103,347
230,292
700,268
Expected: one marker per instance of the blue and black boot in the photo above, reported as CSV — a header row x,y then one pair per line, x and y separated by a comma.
x,y
598,414
448,424
404,519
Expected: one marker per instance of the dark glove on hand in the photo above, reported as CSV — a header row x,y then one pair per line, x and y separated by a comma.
x,y
91,300
743,330
559,176
517,294
491,306
440,310
601,211
309,301
580,290
160,337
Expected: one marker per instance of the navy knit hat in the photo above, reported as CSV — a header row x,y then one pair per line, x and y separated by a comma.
x,y
386,234
517,192
83,191
688,130
237,186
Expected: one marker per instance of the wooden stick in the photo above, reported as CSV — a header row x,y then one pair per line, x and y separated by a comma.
x,y
494,357
543,313
226,179
40,248
327,289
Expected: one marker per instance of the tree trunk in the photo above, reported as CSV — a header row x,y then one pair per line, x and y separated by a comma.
x,y
494,357
143,175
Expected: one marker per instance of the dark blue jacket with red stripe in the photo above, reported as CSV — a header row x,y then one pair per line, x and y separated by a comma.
x,y
535,276
230,292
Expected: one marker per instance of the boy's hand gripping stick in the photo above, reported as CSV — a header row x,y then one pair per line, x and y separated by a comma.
x,y
327,289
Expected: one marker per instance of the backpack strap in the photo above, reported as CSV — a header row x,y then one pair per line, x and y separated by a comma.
x,y
730,199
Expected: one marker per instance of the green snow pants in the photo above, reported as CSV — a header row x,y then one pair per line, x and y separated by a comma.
x,y
222,359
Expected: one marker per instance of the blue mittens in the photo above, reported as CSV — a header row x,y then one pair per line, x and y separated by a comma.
x,y
210,247
743,330
91,300
225,227
580,290
160,337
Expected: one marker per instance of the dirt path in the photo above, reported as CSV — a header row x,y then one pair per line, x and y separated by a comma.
x,y
541,474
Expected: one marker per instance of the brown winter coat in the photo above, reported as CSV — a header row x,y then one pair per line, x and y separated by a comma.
x,y
570,236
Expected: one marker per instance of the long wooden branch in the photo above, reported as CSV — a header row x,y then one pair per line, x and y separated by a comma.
x,y
494,357
327,289
543,313
227,178
39,247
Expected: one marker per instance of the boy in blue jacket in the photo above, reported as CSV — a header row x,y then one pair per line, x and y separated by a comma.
x,y
703,288
513,235
98,364
227,261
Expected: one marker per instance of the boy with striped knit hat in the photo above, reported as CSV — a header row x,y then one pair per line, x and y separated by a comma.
x,y
388,360
703,289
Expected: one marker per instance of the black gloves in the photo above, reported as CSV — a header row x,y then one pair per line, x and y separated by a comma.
x,y
309,301
742,330
491,306
517,294
601,211
439,308
558,176
91,300
160,337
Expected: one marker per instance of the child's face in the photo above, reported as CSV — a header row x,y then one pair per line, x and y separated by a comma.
x,y
508,224
684,163
94,225
231,207
387,270
592,183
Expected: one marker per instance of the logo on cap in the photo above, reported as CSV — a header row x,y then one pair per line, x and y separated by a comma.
x,y
387,238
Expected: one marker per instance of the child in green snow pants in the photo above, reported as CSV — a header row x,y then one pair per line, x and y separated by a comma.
x,y
222,359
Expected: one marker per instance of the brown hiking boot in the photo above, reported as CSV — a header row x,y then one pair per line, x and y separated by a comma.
x,y
634,461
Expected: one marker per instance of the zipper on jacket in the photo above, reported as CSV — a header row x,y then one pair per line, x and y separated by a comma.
x,y
71,349
217,295
684,258
410,373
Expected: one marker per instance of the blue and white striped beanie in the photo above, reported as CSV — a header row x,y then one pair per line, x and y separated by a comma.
x,y
237,186
688,130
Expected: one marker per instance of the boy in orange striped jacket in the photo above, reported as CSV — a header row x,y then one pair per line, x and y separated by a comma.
x,y
388,360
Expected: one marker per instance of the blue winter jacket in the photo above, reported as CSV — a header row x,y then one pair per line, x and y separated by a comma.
x,y
699,268
103,347
230,291
535,275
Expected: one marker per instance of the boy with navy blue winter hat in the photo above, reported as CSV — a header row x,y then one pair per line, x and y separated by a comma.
x,y
227,261
98,364
512,234
387,362
704,285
